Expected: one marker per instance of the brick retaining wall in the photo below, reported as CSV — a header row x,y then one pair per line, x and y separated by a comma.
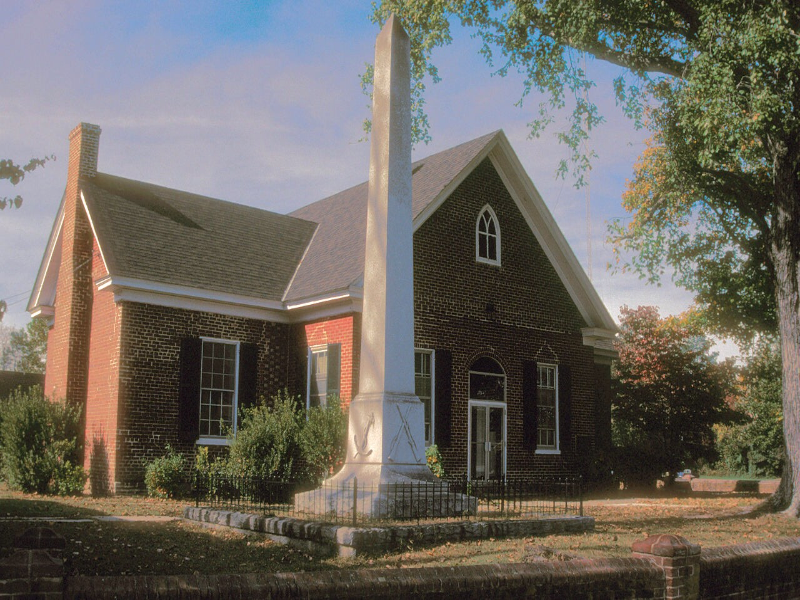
x,y
662,566
769,569
578,580
722,486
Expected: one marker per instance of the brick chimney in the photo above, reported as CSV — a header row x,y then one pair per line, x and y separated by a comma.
x,y
84,141
68,340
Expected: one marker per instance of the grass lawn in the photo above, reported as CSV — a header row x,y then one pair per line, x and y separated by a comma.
x,y
114,548
32,505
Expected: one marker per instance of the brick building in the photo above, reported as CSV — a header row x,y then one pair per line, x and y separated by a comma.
x,y
170,311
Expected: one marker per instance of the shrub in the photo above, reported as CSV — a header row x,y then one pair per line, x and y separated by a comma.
x,y
434,459
39,444
267,444
166,476
323,440
754,445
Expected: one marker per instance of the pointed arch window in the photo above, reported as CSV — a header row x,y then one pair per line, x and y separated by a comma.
x,y
487,237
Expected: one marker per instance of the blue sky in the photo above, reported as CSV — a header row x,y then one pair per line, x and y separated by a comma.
x,y
259,103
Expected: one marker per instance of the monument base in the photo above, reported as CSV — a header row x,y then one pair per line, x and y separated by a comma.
x,y
396,493
386,475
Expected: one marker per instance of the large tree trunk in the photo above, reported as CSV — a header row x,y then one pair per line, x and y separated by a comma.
x,y
785,257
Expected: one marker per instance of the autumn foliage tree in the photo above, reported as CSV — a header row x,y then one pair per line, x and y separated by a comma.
x,y
669,391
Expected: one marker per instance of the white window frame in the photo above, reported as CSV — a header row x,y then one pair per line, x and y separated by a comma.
x,y
478,257
433,393
311,351
557,449
214,440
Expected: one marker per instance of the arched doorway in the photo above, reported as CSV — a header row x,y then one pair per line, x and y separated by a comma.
x,y
487,420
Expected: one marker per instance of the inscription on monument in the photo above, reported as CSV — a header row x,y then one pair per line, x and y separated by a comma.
x,y
361,448
404,429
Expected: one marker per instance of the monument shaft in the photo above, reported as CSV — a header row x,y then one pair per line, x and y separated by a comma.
x,y
387,339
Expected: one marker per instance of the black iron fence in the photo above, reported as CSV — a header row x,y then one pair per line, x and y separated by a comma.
x,y
354,502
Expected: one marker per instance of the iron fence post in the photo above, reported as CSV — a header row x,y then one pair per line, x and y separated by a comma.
x,y
580,495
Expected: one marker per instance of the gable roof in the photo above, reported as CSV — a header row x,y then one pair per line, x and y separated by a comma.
x,y
181,244
157,234
335,260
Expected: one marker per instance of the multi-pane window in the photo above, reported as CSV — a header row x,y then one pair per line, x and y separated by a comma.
x,y
323,374
218,388
423,388
488,237
318,377
546,402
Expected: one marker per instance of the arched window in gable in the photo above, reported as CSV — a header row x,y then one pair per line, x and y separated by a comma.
x,y
487,237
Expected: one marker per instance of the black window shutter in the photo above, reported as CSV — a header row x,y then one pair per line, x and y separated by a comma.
x,y
189,390
442,398
334,368
248,375
565,408
530,378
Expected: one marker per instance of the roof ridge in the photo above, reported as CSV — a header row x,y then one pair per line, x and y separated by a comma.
x,y
94,180
489,136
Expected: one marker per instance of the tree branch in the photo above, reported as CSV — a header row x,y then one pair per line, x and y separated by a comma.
x,y
650,64
688,13
738,185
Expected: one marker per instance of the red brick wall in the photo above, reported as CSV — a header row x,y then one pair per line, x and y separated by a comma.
x,y
103,383
68,340
534,317
767,569
335,330
149,376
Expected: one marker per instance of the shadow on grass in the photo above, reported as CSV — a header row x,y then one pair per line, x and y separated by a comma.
x,y
173,548
28,507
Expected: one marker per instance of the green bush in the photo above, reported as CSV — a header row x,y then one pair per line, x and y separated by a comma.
x,y
267,444
166,476
753,445
434,459
323,440
39,444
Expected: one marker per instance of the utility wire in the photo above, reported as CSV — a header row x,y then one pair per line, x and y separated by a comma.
x,y
23,294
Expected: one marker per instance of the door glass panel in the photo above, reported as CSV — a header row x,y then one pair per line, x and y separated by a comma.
x,y
478,442
495,431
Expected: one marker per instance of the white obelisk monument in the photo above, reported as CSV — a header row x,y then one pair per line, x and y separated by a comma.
x,y
385,443
386,430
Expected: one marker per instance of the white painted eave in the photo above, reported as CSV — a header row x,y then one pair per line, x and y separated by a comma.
x,y
94,232
176,296
43,294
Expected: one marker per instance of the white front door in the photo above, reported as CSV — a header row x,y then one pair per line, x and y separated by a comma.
x,y
487,440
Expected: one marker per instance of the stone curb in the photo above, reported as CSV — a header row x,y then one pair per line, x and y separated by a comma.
x,y
383,538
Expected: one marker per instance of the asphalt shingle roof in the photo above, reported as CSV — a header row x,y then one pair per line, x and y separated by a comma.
x,y
161,235
335,260
167,236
